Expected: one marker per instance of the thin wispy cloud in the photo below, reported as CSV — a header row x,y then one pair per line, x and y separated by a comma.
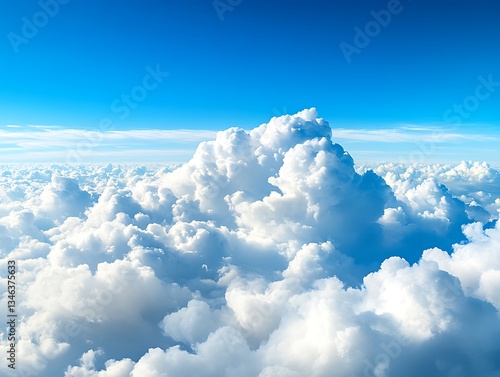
x,y
64,135
31,143
35,142
408,135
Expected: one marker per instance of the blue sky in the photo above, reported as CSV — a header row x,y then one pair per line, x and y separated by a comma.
x,y
262,59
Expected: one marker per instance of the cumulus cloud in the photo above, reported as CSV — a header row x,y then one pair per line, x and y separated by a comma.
x,y
269,253
474,183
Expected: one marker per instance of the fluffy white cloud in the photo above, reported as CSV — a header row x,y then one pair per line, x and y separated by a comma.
x,y
476,263
476,184
267,254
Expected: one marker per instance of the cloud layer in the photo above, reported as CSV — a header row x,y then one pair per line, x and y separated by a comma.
x,y
66,145
268,254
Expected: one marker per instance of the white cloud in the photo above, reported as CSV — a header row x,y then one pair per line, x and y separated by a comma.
x,y
45,136
407,135
267,254
52,143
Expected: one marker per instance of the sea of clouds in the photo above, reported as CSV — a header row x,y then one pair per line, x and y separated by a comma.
x,y
268,254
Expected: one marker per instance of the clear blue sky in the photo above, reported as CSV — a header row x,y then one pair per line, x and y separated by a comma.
x,y
264,58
